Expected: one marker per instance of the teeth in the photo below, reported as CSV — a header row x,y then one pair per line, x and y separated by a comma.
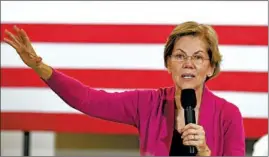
x,y
187,76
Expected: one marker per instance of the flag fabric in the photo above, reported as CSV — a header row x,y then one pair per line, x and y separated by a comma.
x,y
119,46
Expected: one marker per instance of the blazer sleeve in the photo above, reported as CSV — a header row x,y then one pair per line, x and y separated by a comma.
x,y
119,107
234,134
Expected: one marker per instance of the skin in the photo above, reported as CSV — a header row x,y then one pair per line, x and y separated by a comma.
x,y
22,44
187,44
192,134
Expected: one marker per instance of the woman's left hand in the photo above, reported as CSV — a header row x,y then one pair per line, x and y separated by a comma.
x,y
194,135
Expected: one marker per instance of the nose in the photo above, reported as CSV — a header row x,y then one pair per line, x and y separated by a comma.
x,y
188,63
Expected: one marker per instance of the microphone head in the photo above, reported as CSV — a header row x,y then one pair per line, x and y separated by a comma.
x,y
188,98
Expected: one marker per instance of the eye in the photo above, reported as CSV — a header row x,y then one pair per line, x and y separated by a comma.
x,y
180,56
198,57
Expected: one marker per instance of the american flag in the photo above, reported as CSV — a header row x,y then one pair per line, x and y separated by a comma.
x,y
119,46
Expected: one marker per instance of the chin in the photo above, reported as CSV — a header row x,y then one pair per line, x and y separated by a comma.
x,y
186,86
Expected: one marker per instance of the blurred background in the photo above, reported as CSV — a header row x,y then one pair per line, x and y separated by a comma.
x,y
119,46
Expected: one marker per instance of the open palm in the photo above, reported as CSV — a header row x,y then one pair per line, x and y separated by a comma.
x,y
21,43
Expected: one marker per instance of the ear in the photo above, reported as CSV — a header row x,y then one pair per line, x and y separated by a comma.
x,y
211,71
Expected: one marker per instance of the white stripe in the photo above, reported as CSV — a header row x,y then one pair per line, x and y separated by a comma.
x,y
251,105
134,56
172,12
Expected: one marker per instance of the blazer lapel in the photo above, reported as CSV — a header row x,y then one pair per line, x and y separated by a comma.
x,y
167,120
206,115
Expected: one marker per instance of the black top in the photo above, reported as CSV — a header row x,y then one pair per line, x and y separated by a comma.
x,y
177,147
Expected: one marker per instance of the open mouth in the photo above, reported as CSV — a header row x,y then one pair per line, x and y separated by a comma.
x,y
187,76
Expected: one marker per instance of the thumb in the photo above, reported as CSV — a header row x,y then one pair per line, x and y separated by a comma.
x,y
38,60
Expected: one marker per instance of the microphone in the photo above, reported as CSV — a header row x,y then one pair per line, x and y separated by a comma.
x,y
188,102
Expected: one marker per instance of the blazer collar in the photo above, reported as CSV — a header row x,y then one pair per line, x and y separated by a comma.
x,y
206,108
206,112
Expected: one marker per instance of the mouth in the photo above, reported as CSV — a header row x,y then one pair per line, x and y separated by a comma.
x,y
187,76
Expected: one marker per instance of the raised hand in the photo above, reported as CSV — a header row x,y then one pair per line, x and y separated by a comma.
x,y
21,43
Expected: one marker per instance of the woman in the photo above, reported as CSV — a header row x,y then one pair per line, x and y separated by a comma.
x,y
191,57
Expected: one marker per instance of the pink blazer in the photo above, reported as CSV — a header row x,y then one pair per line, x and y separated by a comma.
x,y
152,113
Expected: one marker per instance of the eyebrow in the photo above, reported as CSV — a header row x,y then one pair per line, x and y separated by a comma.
x,y
193,53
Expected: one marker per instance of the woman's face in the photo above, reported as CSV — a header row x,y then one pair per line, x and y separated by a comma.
x,y
189,72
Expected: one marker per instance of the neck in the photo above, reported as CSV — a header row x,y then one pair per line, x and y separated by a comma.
x,y
198,92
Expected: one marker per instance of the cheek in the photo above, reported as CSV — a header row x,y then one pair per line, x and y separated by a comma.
x,y
202,73
176,72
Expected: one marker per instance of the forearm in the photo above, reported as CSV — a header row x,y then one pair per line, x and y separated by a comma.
x,y
119,107
44,71
70,90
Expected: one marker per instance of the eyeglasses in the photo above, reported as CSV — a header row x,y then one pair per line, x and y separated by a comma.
x,y
197,59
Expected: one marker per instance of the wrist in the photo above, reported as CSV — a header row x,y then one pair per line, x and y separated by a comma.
x,y
204,151
44,71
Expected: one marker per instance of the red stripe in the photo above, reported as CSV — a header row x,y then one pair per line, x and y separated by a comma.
x,y
79,123
226,81
108,33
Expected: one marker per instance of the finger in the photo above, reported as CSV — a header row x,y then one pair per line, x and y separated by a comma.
x,y
197,144
16,34
25,37
18,31
189,131
38,59
11,43
191,143
191,125
11,36
194,138
190,138
194,131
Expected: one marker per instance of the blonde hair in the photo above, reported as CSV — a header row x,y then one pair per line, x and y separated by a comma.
x,y
206,32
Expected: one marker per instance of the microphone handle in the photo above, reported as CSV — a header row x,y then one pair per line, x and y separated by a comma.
x,y
189,115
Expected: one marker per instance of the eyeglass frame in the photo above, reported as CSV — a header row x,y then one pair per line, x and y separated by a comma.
x,y
186,57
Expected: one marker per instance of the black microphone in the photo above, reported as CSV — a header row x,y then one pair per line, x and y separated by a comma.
x,y
188,102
